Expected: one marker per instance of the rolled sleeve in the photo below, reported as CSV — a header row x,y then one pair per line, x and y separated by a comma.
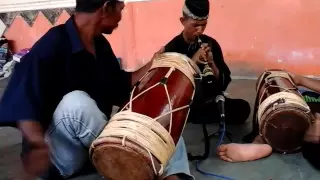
x,y
21,98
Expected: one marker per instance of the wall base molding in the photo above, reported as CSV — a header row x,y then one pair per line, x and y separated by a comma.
x,y
256,77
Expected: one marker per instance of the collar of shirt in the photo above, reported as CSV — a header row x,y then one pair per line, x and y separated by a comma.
x,y
74,35
188,49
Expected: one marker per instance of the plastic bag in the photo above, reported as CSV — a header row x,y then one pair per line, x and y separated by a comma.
x,y
4,51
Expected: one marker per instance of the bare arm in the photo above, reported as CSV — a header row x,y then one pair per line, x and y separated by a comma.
x,y
34,134
138,74
309,83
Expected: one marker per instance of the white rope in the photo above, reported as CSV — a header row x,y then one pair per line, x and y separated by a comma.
x,y
280,84
273,73
144,130
288,97
179,62
286,94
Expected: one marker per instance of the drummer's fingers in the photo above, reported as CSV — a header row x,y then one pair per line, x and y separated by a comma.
x,y
203,56
207,49
210,57
201,61
204,45
155,55
162,50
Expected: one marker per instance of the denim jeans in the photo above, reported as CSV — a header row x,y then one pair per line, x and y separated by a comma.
x,y
77,122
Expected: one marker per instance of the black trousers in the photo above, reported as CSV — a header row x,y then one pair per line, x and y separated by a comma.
x,y
236,111
204,109
311,150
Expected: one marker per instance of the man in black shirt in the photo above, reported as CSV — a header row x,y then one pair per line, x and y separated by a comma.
x,y
61,94
200,47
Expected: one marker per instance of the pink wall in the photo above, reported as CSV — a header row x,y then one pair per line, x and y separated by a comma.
x,y
254,35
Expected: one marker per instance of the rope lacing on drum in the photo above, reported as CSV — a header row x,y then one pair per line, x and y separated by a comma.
x,y
144,130
268,82
285,96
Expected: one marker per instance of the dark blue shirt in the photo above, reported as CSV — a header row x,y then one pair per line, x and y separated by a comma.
x,y
56,65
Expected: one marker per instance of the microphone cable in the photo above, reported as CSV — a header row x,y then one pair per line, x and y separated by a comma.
x,y
222,129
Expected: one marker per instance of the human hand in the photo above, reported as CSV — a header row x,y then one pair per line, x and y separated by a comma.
x,y
213,65
201,56
158,53
37,161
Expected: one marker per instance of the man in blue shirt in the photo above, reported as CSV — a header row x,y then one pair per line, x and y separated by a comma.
x,y
62,93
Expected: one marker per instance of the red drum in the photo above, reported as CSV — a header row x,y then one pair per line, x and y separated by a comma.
x,y
139,140
283,116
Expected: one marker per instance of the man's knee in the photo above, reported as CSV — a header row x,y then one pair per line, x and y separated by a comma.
x,y
237,111
245,104
76,99
78,110
75,102
245,109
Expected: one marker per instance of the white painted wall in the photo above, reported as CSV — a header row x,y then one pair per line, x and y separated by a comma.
x,y
25,5
2,28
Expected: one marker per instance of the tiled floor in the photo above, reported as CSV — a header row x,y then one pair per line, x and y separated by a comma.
x,y
276,167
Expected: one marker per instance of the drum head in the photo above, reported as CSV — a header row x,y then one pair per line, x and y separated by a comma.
x,y
284,128
183,57
117,162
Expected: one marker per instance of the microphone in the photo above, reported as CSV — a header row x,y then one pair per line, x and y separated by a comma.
x,y
220,101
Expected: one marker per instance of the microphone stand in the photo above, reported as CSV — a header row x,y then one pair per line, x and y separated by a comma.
x,y
227,133
206,146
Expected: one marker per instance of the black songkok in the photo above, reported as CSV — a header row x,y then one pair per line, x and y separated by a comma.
x,y
197,9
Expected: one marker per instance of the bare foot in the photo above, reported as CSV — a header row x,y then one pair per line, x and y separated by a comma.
x,y
243,152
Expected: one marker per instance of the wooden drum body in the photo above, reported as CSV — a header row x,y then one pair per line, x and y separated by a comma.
x,y
140,139
283,116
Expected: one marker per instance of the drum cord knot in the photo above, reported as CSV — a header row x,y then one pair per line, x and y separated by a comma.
x,y
273,74
186,66
286,98
282,97
143,130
